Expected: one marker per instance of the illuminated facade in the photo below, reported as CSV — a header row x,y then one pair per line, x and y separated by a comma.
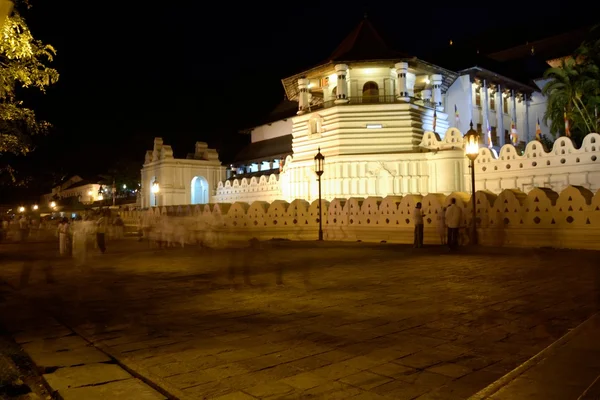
x,y
85,191
388,124
167,180
370,110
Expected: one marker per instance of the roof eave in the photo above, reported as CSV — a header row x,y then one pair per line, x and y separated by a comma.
x,y
519,85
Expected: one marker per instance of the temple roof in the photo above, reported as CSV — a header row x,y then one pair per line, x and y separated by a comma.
x,y
364,43
264,150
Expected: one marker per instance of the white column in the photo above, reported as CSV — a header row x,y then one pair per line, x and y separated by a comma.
x,y
514,116
526,101
485,104
402,70
341,71
499,114
302,95
410,83
426,95
437,90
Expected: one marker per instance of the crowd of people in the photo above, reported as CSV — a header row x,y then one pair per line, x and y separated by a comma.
x,y
449,222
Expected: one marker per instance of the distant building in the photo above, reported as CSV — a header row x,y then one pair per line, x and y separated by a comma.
x,y
86,191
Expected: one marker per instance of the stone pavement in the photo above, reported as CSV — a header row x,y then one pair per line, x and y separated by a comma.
x,y
353,321
567,369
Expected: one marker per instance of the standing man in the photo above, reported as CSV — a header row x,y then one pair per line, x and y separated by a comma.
x,y
453,218
101,227
418,220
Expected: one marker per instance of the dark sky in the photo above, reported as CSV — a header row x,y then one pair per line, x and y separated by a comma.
x,y
132,70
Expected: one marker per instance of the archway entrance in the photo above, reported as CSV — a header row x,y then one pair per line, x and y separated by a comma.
x,y
199,190
370,92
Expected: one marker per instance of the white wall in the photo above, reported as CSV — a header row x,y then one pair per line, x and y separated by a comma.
x,y
272,130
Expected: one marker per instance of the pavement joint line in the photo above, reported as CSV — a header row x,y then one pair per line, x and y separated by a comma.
x,y
156,383
494,387
585,392
159,388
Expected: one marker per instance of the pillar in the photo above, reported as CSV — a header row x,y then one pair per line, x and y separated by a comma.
x,y
341,70
437,90
500,115
410,83
402,70
514,114
485,104
526,101
302,95
426,95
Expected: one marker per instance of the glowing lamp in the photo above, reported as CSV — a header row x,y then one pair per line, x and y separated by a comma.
x,y
53,204
21,209
319,163
35,207
471,140
155,187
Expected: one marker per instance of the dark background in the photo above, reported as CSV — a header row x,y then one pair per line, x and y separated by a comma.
x,y
133,70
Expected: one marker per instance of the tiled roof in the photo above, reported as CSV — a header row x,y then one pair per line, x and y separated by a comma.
x,y
364,44
265,150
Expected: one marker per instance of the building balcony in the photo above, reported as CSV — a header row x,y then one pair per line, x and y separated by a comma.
x,y
370,100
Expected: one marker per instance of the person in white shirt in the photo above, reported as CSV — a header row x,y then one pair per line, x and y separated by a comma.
x,y
453,218
418,221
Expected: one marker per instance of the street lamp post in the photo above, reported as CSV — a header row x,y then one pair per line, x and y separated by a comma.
x,y
319,162
155,190
114,193
471,140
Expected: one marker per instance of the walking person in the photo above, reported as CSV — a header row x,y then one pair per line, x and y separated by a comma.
x,y
101,227
63,232
418,221
453,218
441,226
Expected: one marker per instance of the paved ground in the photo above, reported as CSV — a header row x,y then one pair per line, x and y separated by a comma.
x,y
353,321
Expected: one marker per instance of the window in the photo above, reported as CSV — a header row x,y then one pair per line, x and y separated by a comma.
x,y
494,136
492,101
479,128
314,125
370,92
507,137
505,105
478,97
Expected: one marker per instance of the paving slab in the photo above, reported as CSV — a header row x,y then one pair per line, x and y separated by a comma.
x,y
566,369
85,375
375,322
45,359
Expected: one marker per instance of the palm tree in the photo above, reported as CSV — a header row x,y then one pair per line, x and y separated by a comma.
x,y
561,92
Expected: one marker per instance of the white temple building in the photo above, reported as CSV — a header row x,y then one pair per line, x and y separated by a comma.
x,y
388,124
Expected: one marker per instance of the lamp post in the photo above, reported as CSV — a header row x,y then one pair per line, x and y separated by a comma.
x,y
471,140
319,162
155,190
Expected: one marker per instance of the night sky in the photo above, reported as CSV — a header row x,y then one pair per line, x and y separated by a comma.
x,y
133,70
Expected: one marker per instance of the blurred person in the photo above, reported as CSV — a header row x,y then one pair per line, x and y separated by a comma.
x,y
119,227
441,226
101,227
419,225
63,232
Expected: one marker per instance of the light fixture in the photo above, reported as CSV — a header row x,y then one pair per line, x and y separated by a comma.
x,y
124,186
374,126
471,140
21,209
53,204
319,165
427,81
155,187
90,192
35,207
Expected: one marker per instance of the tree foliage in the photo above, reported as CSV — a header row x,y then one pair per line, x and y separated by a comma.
x,y
23,64
574,88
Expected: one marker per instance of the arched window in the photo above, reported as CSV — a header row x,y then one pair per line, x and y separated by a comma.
x,y
334,92
370,92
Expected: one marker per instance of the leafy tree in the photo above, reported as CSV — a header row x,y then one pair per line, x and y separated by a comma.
x,y
574,88
23,64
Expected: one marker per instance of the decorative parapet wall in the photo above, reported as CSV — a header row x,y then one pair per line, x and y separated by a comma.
x,y
556,169
264,188
540,218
